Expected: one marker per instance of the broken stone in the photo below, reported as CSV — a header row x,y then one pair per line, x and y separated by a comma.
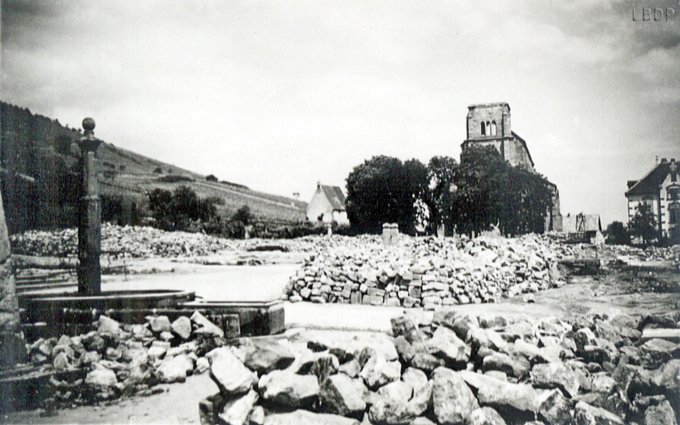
x,y
485,416
175,369
230,375
289,389
415,378
305,417
397,390
237,411
378,372
268,356
342,395
452,399
182,327
555,375
205,326
585,414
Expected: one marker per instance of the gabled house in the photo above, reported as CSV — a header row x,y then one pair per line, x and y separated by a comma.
x,y
583,228
660,189
327,205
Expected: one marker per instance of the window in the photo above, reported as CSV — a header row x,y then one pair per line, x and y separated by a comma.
x,y
483,130
673,194
674,214
493,128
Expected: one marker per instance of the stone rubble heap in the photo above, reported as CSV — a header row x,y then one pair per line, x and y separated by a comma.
x,y
427,272
132,241
120,359
459,369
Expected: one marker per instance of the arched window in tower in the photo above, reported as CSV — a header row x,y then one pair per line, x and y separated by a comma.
x,y
483,129
493,128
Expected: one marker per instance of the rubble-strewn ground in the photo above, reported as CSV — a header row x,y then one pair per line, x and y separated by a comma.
x,y
568,354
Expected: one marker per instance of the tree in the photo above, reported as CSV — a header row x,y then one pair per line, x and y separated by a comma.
x,y
243,215
441,171
383,190
643,224
492,192
617,234
180,209
211,178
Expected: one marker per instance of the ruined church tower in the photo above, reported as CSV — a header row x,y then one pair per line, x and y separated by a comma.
x,y
488,124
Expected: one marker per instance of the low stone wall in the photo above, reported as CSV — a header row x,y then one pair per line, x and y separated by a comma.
x,y
428,272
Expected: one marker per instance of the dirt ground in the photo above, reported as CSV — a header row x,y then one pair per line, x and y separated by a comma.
x,y
633,291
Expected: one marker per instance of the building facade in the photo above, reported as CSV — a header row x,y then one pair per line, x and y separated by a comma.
x,y
489,124
660,189
327,205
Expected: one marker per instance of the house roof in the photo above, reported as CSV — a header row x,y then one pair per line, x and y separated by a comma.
x,y
334,195
649,184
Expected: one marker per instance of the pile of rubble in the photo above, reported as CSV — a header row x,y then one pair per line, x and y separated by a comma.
x,y
629,255
120,359
428,272
131,241
459,369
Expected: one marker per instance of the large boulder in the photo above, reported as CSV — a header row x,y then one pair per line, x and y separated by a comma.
x,y
107,326
397,390
585,414
661,414
159,324
265,357
304,417
510,400
343,395
485,416
378,372
415,378
289,389
452,399
205,326
388,411
101,383
555,375
511,366
445,345
554,409
182,327
237,410
230,375
175,369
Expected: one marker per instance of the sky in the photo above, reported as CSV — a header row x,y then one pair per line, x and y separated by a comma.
x,y
278,95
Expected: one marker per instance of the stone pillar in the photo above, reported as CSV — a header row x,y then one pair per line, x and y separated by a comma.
x,y
89,215
12,349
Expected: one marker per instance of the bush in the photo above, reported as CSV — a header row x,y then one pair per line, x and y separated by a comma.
x,y
617,234
174,178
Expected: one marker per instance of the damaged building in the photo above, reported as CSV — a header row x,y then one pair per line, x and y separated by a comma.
x,y
489,124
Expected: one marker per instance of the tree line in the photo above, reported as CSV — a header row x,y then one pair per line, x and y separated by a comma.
x,y
481,191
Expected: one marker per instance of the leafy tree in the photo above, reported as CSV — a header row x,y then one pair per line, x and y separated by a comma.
x,y
181,209
211,178
643,224
617,234
441,171
492,192
243,215
383,190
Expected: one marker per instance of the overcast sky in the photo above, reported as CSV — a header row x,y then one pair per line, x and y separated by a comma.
x,y
279,94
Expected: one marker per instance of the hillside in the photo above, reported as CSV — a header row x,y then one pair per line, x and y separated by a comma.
x,y
38,161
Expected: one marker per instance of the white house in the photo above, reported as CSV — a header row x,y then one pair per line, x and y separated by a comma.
x,y
327,205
